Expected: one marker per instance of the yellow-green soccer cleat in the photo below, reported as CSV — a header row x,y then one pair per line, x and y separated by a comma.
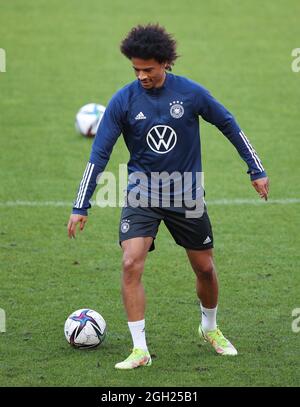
x,y
138,357
221,345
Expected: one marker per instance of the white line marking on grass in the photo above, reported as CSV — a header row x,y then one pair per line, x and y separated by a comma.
x,y
35,203
223,201
253,201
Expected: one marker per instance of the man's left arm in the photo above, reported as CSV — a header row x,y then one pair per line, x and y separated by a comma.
x,y
214,112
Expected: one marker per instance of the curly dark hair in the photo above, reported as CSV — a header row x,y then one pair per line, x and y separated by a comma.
x,y
150,41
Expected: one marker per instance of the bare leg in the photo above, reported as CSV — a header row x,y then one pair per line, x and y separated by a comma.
x,y
207,291
206,277
134,255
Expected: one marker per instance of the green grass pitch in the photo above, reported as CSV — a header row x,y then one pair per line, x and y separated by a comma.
x,y
61,55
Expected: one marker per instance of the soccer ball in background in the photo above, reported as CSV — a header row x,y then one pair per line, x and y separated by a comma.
x,y
85,328
88,118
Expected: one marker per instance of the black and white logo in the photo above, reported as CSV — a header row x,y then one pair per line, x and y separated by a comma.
x,y
161,139
176,109
124,227
207,240
140,116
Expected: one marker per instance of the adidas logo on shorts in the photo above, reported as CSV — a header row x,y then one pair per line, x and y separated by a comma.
x,y
207,240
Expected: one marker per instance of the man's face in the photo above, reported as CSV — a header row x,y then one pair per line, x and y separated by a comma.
x,y
149,72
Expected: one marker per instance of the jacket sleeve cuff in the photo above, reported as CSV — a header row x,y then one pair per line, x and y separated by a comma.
x,y
76,211
257,175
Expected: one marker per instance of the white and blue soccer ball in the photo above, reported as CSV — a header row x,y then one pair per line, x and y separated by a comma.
x,y
85,328
88,118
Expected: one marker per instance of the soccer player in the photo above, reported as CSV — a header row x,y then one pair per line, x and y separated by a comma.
x,y
158,115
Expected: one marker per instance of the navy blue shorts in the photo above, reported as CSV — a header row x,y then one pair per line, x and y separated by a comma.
x,y
190,233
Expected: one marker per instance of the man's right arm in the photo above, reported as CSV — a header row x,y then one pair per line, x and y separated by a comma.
x,y
107,134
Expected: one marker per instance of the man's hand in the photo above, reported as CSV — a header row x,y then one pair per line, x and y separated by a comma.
x,y
262,187
74,219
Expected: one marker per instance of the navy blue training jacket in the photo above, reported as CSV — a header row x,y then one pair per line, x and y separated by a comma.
x,y
160,127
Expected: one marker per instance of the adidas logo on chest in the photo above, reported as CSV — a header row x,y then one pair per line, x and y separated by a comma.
x,y
140,116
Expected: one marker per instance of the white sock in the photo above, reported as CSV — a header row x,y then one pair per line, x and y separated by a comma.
x,y
137,330
209,318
